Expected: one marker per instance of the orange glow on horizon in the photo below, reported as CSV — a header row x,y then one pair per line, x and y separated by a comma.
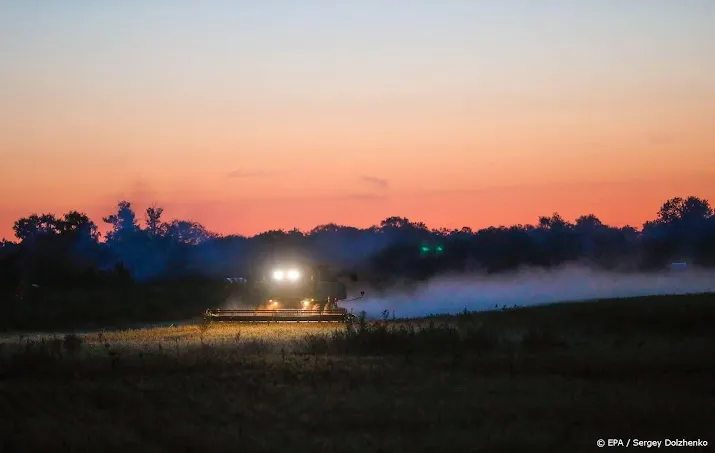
x,y
616,204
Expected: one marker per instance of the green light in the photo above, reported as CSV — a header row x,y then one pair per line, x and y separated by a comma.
x,y
425,249
439,248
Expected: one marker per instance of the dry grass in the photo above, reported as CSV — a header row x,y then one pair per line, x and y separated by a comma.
x,y
253,336
278,333
541,380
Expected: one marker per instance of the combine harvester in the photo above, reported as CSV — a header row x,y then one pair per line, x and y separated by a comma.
x,y
295,293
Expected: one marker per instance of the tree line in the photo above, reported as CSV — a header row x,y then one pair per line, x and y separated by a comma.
x,y
67,250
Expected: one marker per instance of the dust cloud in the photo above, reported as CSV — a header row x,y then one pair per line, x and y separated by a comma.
x,y
449,295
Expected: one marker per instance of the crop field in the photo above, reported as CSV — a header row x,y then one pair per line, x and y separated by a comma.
x,y
275,335
540,379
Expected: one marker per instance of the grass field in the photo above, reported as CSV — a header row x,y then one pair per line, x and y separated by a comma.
x,y
541,379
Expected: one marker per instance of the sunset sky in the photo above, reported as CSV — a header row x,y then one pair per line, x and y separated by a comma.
x,y
254,115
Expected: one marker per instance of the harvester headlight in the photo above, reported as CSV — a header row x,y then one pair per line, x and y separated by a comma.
x,y
293,275
278,275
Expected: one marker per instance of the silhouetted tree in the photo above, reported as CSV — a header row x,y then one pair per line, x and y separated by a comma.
x,y
61,249
690,210
124,223
152,217
78,225
35,225
187,232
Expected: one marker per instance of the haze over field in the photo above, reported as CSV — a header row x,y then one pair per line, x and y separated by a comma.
x,y
248,116
527,287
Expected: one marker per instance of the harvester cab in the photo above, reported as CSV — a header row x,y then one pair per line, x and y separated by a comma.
x,y
294,291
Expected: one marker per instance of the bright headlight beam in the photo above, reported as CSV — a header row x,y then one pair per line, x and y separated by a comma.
x,y
278,275
293,275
